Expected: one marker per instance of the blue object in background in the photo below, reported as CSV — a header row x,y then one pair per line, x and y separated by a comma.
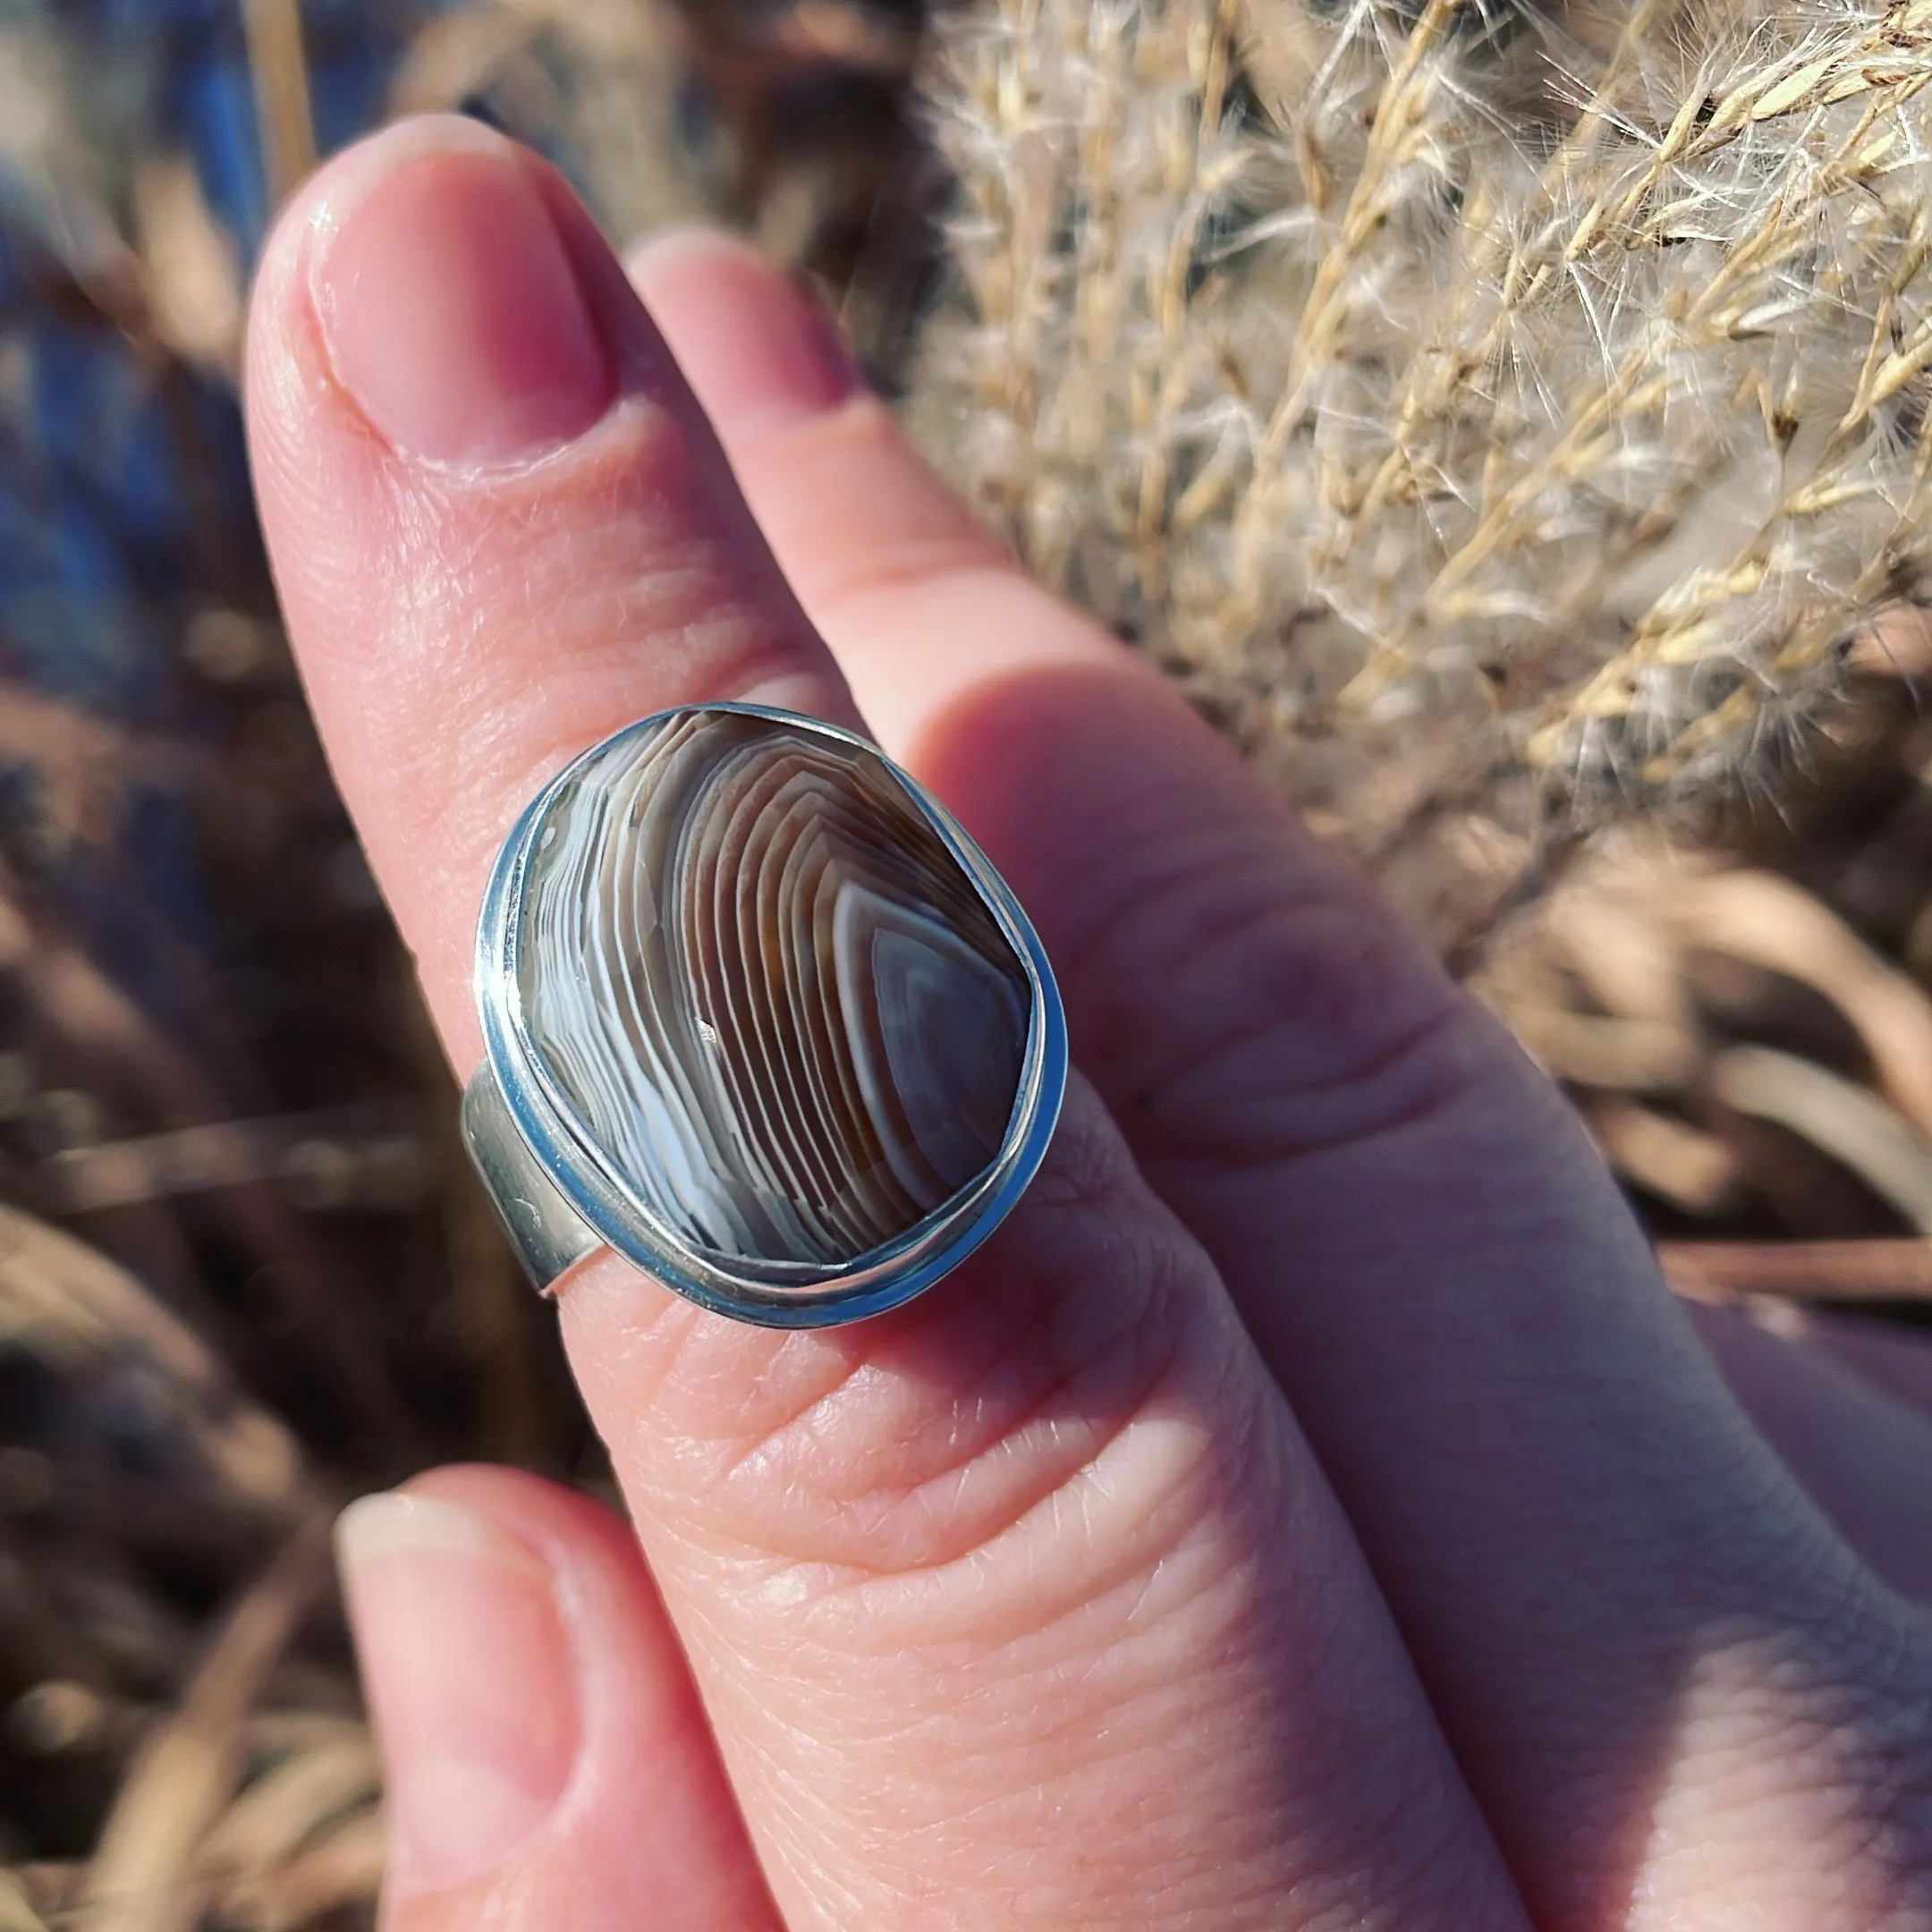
x,y
125,498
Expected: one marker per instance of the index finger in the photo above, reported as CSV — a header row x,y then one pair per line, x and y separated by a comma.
x,y
965,1587
563,500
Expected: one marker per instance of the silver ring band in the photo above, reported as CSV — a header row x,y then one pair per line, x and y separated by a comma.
x,y
759,1016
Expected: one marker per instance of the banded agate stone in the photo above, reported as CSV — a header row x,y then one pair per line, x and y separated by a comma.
x,y
757,981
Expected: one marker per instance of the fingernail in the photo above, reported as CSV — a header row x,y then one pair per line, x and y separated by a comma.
x,y
759,350
470,1680
450,305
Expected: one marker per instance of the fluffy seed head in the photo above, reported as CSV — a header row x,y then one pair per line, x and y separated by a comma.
x,y
1504,415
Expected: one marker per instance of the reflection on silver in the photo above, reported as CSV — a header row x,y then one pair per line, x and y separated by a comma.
x,y
759,1016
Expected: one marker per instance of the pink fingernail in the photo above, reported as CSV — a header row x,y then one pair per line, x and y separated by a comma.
x,y
470,1680
451,310
759,349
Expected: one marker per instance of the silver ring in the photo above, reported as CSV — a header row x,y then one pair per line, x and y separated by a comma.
x,y
759,1016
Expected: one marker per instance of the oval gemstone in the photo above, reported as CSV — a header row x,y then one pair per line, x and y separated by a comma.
x,y
770,996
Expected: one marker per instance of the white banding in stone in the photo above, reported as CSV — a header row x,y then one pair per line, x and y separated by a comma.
x,y
768,993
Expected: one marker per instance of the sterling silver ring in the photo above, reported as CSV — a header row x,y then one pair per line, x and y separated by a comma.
x,y
759,1016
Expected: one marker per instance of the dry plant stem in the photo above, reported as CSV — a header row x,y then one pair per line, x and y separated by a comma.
x,y
227,1153
1771,923
16,1909
1693,1171
208,1522
74,1299
1585,419
83,764
1167,381
342,1869
283,1808
1509,276
1854,1127
92,1722
1816,1271
51,1886
82,1004
279,68
139,1879
1397,122
1714,312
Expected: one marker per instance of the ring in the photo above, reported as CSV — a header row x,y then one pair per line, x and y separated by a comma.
x,y
759,1016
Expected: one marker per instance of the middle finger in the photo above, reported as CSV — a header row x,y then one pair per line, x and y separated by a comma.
x,y
1606,1580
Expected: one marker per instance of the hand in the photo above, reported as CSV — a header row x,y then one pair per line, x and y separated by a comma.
x,y
1309,1510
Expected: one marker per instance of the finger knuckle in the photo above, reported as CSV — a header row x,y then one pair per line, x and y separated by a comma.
x,y
1298,1013
1073,1390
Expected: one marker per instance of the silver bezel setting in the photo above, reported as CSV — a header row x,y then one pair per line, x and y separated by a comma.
x,y
774,1294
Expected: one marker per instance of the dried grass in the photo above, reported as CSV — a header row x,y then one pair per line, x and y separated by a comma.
x,y
1398,443
1504,418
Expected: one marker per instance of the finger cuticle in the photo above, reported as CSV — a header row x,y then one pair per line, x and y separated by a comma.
x,y
471,1679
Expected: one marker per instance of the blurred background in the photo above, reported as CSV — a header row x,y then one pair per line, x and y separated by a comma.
x,y
244,1272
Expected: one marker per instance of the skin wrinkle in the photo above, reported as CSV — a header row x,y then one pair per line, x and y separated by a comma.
x,y
1127,1642
1305,980
1769,1748
1774,1744
443,537
982,1351
723,1419
1424,1066
1104,1354
1141,1728
1095,1263
660,578
998,1591
1094,1653
932,563
1181,1878
1447,1141
803,1635
936,1491
1813,1390
1299,934
1106,1378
